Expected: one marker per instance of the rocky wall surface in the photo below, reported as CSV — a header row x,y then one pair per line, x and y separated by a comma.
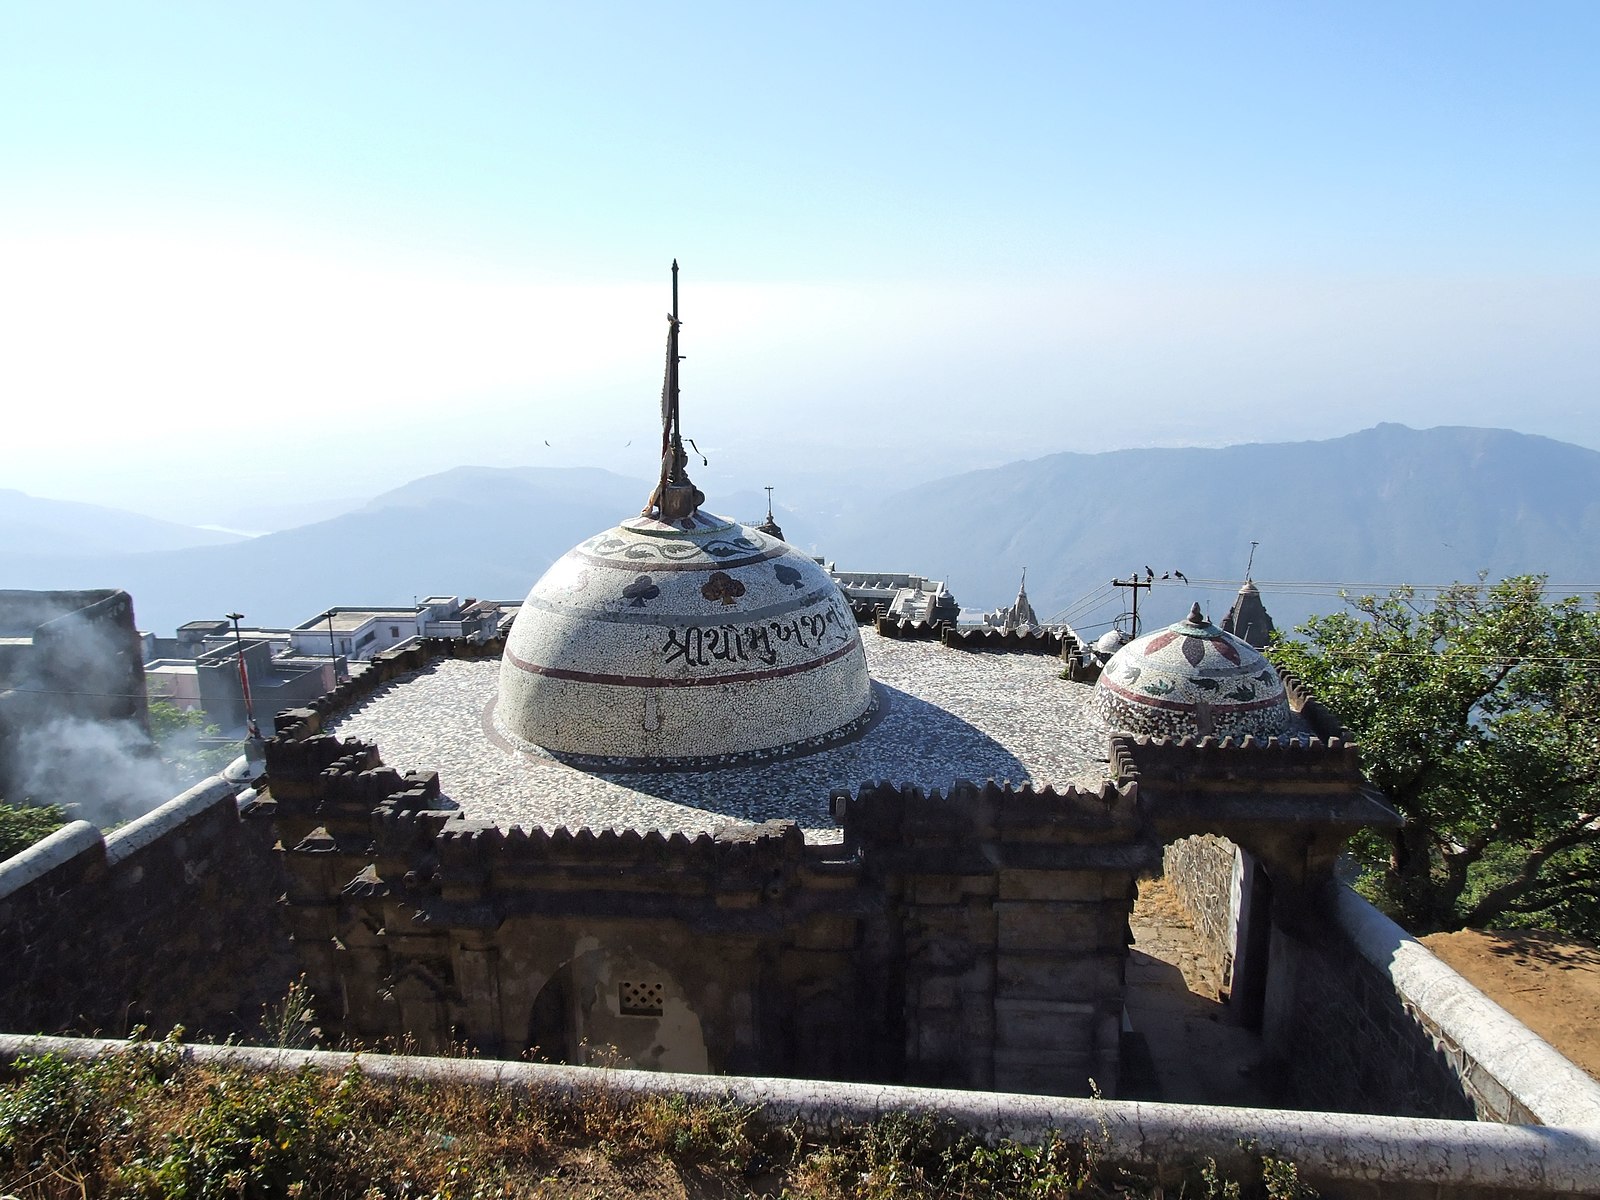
x,y
1200,872
1012,931
1351,1043
1371,1021
172,919
1367,1020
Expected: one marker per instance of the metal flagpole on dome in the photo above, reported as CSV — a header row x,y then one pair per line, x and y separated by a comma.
x,y
671,427
673,358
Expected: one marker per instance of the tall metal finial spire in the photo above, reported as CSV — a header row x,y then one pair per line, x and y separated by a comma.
x,y
675,498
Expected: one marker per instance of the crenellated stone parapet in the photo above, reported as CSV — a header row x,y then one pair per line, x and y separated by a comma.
x,y
1265,764
1294,803
1322,719
1015,641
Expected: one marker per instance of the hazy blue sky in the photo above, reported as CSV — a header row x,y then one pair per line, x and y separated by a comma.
x,y
322,248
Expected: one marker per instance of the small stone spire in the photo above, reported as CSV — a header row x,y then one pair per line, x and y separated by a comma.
x,y
1248,619
769,526
1022,611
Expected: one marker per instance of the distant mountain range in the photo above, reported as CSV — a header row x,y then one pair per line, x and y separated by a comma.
x,y
30,525
1386,505
480,531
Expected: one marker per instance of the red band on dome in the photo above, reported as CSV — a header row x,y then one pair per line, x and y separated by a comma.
x,y
652,681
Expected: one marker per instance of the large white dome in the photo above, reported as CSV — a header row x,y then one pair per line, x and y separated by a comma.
x,y
693,640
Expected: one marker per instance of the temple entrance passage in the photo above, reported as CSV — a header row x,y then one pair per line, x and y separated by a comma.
x,y
1181,1043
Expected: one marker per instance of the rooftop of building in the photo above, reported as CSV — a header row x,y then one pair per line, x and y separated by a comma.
x,y
944,714
348,620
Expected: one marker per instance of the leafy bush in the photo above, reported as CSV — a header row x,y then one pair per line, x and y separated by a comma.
x,y
22,826
149,1123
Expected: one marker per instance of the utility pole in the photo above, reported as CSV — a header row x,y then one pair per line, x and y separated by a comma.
x,y
333,655
244,677
1133,581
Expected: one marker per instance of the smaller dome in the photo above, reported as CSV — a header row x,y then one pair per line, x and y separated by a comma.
x,y
1110,641
1189,680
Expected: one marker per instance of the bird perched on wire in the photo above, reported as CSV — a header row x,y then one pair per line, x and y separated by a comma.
x,y
1181,576
1148,573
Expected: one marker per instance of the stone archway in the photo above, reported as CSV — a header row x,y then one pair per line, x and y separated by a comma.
x,y
608,1007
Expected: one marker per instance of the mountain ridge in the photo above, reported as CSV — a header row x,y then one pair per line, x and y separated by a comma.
x,y
37,524
1388,502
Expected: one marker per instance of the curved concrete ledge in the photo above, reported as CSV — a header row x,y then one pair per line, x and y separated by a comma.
x,y
136,835
1514,1056
45,855
1400,1154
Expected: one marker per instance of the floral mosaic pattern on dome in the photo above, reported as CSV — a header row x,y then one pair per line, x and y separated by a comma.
x,y
1191,679
721,546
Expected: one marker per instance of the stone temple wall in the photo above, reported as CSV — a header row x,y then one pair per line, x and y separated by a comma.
x,y
971,939
975,938
172,919
1366,1020
1200,873
1355,1042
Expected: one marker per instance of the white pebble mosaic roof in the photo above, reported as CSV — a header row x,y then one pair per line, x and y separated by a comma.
x,y
948,714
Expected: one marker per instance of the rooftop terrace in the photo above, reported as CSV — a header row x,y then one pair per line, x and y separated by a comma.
x,y
944,714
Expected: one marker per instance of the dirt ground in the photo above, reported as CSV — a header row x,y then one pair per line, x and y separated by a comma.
x,y
1548,982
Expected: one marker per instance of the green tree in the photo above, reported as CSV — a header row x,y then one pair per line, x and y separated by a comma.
x,y
1478,717
187,743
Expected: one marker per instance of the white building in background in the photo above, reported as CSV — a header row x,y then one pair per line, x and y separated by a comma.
x,y
175,680
898,594
360,633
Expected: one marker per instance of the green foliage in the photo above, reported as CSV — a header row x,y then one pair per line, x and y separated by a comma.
x,y
178,733
22,826
1479,717
1280,1179
147,1122
252,1136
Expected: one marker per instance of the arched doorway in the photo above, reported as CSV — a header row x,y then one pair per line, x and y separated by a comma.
x,y
616,1008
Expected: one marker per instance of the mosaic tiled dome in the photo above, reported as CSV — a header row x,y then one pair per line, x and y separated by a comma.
x,y
1191,679
683,643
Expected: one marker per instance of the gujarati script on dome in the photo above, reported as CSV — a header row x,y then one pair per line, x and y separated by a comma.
x,y
761,641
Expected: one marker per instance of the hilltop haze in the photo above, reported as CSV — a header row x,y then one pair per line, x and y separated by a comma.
x,y
30,525
1385,505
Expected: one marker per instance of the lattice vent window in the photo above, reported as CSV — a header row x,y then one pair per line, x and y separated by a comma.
x,y
641,999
